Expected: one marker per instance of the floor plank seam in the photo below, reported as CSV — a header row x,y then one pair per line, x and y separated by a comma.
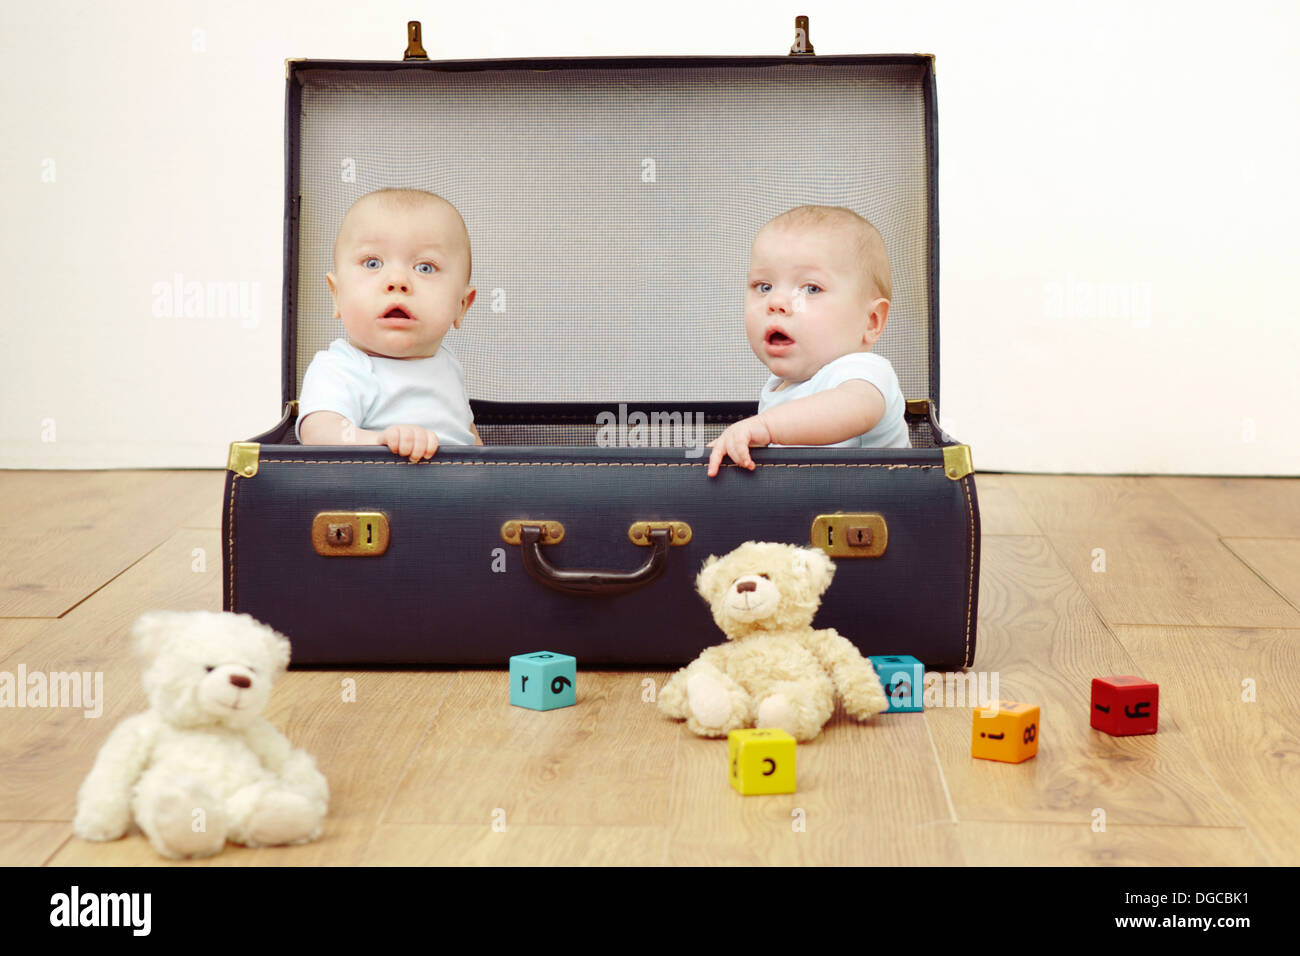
x,y
938,766
142,557
1265,581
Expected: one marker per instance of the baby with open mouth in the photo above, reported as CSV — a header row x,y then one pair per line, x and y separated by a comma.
x,y
402,266
817,301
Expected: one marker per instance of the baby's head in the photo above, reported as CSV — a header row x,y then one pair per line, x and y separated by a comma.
x,y
401,273
818,290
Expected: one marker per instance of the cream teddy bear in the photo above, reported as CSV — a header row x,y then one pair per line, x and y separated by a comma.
x,y
774,670
201,766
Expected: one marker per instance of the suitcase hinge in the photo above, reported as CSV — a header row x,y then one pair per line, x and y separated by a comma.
x,y
802,45
414,51
957,462
243,458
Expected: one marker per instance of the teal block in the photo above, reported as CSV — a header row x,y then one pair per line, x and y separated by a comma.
x,y
543,680
903,677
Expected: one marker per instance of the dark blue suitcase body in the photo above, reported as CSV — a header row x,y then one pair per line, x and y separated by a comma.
x,y
469,573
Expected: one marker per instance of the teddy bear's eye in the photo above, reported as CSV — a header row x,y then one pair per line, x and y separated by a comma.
x,y
766,577
209,669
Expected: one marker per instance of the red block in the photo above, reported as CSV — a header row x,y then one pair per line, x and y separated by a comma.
x,y
1125,706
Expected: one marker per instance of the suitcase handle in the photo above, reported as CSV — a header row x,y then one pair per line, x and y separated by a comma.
x,y
590,582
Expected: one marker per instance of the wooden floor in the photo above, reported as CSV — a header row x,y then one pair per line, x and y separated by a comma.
x,y
1194,583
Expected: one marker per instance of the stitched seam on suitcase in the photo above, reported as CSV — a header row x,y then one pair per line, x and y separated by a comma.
x,y
586,464
970,573
230,545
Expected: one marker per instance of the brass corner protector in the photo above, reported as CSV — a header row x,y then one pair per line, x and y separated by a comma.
x,y
243,458
957,462
289,61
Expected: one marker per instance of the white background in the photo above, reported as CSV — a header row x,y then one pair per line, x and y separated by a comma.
x,y
1118,207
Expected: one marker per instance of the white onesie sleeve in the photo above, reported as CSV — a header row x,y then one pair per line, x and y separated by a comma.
x,y
337,382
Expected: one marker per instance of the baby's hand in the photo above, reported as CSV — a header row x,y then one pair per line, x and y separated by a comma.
x,y
409,440
736,442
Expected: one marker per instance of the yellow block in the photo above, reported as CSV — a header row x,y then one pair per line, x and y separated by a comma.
x,y
1007,731
761,760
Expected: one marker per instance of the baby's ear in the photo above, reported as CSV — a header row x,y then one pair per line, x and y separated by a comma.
x,y
334,292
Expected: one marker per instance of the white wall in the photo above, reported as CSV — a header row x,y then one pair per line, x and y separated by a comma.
x,y
1118,211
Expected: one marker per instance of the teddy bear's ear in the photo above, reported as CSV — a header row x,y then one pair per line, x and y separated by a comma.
x,y
707,580
151,631
814,567
277,645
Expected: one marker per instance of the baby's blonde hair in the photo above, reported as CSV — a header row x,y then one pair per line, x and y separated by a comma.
x,y
868,244
407,199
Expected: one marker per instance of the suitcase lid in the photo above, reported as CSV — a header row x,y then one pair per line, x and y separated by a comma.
x,y
611,204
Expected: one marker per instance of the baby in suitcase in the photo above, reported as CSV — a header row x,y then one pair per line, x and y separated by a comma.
x,y
817,301
402,267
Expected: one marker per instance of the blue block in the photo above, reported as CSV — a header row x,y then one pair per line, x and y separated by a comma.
x,y
903,677
543,680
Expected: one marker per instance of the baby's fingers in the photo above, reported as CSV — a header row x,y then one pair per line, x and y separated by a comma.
x,y
426,447
715,458
739,451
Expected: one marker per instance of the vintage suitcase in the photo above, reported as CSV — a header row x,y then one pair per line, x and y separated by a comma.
x,y
611,204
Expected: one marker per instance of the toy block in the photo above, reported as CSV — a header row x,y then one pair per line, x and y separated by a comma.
x,y
1125,706
903,678
543,680
1007,731
761,760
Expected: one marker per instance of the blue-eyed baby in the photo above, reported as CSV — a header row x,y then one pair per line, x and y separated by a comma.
x,y
401,279
817,301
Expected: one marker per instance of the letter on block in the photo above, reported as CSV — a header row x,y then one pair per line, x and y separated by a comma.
x,y
903,678
543,680
761,760
1008,731
1125,706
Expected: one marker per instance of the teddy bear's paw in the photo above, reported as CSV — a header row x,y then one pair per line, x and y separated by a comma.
x,y
864,697
775,711
181,820
709,702
794,709
101,822
282,818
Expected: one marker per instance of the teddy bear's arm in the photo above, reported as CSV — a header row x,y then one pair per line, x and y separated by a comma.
x,y
104,800
295,768
855,679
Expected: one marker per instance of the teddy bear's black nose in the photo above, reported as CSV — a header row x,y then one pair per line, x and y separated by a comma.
x,y
744,586
239,680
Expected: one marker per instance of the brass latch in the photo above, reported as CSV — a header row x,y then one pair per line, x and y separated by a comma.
x,y
350,534
414,48
856,535
802,45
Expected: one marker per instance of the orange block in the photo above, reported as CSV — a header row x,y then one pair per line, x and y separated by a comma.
x,y
1007,731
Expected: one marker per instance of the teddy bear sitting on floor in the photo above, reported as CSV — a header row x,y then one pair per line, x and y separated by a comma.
x,y
774,670
201,766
